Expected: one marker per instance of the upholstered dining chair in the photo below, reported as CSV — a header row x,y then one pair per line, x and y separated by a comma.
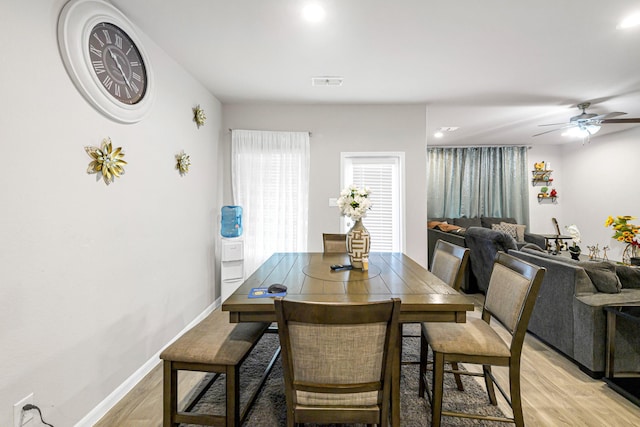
x,y
334,243
449,264
337,360
511,295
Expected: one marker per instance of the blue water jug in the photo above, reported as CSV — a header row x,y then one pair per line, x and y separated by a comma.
x,y
231,221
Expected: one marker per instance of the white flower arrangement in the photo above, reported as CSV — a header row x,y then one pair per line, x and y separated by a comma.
x,y
354,202
574,233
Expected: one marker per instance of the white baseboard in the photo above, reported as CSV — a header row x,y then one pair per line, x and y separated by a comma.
x,y
105,406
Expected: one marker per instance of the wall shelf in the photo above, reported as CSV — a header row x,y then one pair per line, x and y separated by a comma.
x,y
541,177
547,198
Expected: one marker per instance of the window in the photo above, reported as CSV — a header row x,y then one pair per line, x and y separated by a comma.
x,y
383,173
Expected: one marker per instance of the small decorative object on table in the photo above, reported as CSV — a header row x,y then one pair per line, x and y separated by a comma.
x,y
574,249
354,203
626,232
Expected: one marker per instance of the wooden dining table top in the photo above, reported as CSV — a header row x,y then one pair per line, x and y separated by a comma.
x,y
308,277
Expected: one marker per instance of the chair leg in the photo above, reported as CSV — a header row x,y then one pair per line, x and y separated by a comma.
x,y
170,394
491,392
424,351
516,399
454,366
438,380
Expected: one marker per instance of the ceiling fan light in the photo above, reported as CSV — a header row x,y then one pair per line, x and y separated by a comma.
x,y
581,131
592,129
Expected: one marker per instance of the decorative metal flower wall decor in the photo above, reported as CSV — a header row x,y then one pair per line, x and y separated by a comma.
x,y
198,116
106,160
183,163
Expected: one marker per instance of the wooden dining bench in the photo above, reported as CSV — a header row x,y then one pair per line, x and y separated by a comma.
x,y
216,346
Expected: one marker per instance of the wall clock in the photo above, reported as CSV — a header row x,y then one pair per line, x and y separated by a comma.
x,y
105,59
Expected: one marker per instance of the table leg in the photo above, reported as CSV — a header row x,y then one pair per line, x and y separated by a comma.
x,y
611,343
395,380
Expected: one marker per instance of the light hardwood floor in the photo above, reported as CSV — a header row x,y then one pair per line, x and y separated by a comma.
x,y
555,392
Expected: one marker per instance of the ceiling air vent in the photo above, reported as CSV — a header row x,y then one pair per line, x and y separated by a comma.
x,y
326,81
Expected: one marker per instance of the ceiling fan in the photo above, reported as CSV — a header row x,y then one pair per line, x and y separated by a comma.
x,y
587,124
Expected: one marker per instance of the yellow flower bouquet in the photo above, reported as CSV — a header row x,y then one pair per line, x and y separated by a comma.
x,y
625,232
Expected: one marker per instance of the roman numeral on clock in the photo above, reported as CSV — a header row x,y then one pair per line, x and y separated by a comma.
x,y
98,66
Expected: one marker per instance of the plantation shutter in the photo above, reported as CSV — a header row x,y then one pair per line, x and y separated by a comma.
x,y
381,175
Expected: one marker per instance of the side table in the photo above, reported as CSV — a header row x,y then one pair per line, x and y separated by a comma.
x,y
628,386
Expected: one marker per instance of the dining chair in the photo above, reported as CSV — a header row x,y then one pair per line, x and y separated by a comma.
x,y
449,264
334,243
511,295
337,360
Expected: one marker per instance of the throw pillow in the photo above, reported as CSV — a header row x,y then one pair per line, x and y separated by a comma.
x,y
449,228
520,228
488,221
434,223
602,275
510,229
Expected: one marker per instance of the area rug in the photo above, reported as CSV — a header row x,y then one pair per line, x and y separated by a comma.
x,y
269,409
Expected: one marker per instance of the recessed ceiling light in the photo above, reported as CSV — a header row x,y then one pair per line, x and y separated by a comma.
x,y
441,131
326,81
313,12
632,20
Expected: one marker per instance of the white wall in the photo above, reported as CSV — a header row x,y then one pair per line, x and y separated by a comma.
x,y
603,180
593,180
340,128
94,280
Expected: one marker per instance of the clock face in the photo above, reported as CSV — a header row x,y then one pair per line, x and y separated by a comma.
x,y
117,63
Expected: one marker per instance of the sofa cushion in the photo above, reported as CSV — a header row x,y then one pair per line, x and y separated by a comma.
x,y
629,276
602,275
533,248
488,221
465,222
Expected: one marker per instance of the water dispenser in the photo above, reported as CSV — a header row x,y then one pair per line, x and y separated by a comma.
x,y
231,224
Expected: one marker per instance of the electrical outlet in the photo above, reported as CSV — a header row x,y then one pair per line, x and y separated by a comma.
x,y
22,418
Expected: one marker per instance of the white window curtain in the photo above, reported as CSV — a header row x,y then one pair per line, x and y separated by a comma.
x,y
270,180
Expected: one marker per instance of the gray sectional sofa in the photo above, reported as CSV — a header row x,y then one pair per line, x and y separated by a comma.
x,y
477,233
569,312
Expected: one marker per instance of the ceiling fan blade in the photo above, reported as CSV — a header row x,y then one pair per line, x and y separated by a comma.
x,y
602,117
553,130
630,120
555,124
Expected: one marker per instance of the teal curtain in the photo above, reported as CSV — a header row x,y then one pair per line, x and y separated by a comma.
x,y
478,181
